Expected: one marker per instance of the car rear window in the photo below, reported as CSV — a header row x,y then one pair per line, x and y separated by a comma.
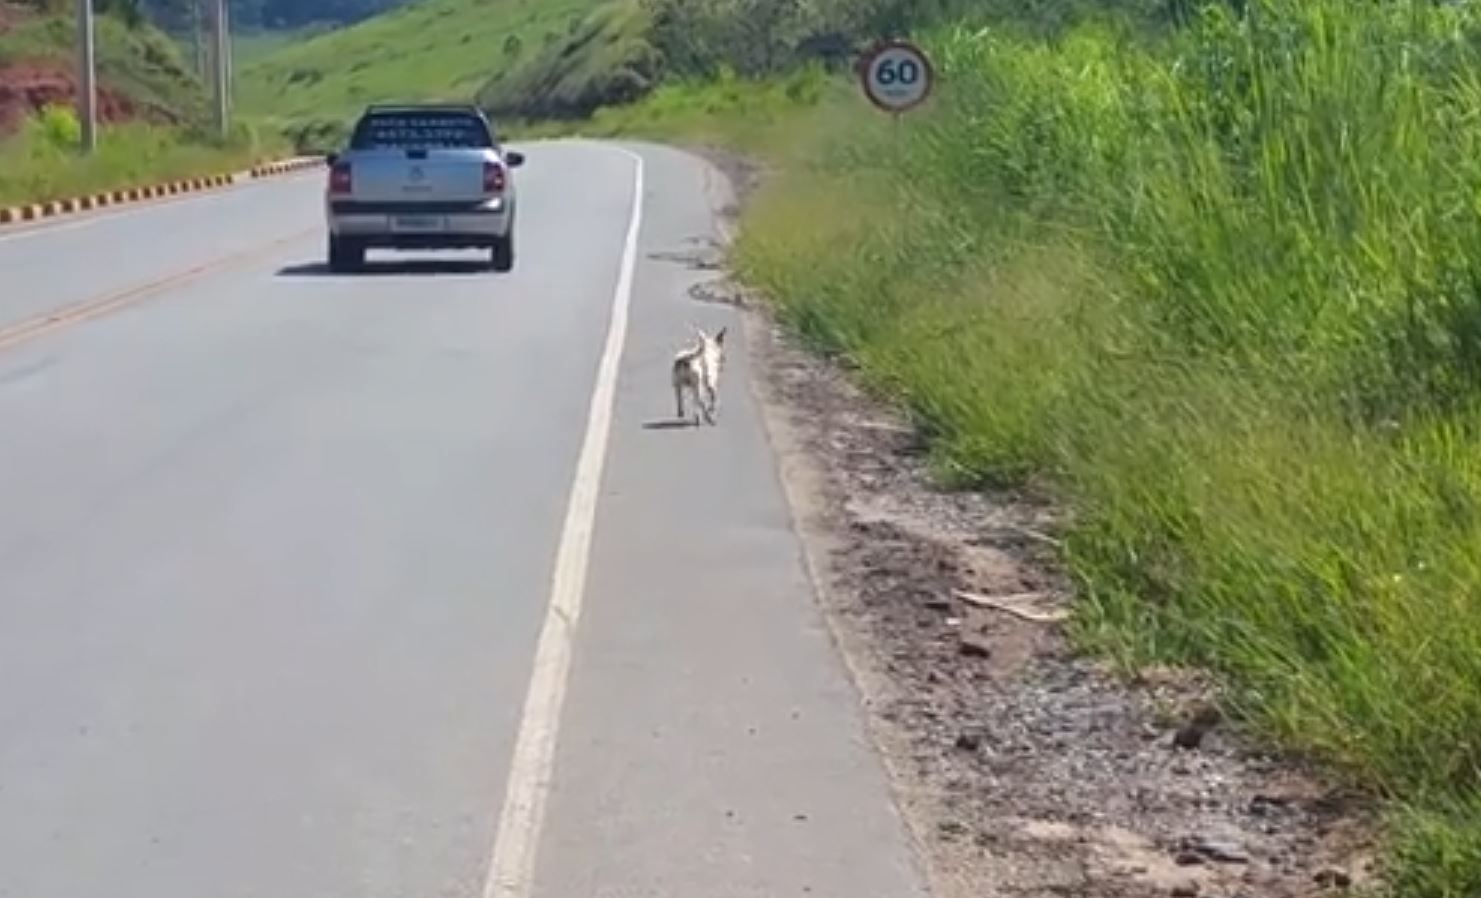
x,y
419,130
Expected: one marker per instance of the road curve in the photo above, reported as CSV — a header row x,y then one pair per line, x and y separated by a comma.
x,y
277,546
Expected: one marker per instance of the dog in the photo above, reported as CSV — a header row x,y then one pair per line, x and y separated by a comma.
x,y
697,376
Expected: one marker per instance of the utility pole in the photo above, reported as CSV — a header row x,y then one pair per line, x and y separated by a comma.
x,y
230,67
198,38
221,47
87,87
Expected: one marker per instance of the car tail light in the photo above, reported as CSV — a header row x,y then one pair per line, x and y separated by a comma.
x,y
340,178
494,179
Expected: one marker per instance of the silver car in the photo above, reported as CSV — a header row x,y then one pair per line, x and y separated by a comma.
x,y
421,177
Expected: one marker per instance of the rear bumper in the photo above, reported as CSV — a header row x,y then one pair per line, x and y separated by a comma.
x,y
433,226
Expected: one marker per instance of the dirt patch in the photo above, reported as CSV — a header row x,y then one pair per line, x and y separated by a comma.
x,y
1021,768
27,87
738,178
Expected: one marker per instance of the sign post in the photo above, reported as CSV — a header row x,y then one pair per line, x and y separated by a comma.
x,y
897,76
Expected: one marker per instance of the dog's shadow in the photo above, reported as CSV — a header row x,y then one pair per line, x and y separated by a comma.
x,y
671,424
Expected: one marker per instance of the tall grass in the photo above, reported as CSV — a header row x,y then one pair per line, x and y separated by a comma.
x,y
1223,292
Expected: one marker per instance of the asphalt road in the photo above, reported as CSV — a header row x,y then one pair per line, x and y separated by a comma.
x,y
278,548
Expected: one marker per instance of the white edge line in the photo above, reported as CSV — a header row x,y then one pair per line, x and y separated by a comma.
x,y
512,865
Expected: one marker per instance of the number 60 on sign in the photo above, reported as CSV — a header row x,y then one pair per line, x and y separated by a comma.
x,y
897,76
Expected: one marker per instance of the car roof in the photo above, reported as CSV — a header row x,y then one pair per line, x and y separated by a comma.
x,y
466,108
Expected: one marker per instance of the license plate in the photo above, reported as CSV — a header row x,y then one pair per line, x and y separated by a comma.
x,y
417,223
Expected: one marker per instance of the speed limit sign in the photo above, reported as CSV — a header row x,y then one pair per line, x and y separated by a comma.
x,y
897,76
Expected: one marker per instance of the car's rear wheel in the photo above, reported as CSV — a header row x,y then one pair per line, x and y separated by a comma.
x,y
502,253
345,254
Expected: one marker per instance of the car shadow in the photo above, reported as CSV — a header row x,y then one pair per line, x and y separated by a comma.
x,y
416,267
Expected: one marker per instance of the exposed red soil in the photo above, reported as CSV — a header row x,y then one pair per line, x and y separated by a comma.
x,y
10,16
27,87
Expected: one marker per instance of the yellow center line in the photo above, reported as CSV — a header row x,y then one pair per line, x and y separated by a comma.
x,y
87,310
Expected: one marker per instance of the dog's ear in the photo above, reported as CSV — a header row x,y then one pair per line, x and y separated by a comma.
x,y
720,337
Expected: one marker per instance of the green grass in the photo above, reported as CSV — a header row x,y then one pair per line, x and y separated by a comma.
x,y
1220,291
433,50
41,163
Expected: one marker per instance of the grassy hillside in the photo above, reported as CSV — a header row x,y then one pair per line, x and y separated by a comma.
x,y
153,109
605,59
139,62
1217,288
436,49
249,46
554,59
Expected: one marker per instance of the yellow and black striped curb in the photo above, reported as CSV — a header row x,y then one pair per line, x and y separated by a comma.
x,y
288,165
39,211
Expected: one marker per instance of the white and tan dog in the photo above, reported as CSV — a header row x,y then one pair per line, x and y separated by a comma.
x,y
697,375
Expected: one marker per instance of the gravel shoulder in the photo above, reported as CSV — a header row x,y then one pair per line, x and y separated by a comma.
x,y
1021,767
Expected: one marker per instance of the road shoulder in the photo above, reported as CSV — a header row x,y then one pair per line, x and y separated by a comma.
x,y
711,742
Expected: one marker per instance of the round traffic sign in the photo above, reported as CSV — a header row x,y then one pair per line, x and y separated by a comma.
x,y
897,76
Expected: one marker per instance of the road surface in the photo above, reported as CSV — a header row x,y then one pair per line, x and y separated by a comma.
x,y
311,585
